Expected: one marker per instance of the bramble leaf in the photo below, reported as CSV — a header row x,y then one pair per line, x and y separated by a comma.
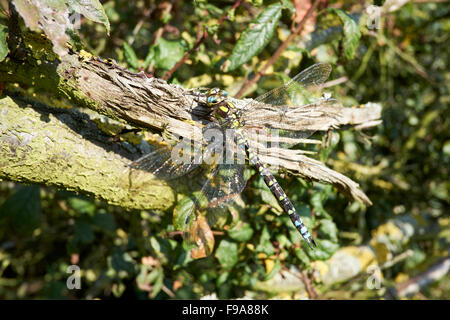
x,y
255,37
351,33
23,209
3,43
91,9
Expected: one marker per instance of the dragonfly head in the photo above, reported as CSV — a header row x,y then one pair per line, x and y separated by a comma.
x,y
215,96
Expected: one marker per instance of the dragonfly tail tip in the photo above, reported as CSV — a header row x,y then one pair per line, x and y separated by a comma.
x,y
311,243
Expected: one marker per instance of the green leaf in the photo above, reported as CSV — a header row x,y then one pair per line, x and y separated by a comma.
x,y
325,249
83,232
54,290
23,210
158,285
223,277
301,254
181,212
255,37
152,276
227,254
241,232
118,289
416,259
122,263
91,9
265,245
276,268
329,228
149,58
266,195
3,43
130,56
104,221
166,53
82,206
351,33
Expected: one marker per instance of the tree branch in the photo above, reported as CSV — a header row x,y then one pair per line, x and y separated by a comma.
x,y
65,149
143,102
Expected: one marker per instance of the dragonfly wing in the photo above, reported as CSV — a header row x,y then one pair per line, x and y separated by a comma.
x,y
222,184
319,115
169,162
294,106
308,79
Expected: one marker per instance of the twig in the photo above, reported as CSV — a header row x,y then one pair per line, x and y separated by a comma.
x,y
303,276
139,25
168,291
308,286
171,234
279,51
332,83
202,35
397,259
414,285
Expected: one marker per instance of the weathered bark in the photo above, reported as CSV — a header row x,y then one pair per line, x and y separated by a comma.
x,y
64,148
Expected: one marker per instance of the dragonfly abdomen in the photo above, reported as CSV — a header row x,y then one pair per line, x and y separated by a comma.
x,y
277,191
287,205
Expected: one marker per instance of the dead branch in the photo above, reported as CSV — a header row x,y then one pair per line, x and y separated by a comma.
x,y
151,103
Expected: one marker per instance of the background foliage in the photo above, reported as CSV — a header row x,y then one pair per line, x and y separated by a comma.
x,y
401,164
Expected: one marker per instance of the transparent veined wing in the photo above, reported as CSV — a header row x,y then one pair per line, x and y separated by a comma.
x,y
169,161
222,180
222,184
296,108
319,115
295,91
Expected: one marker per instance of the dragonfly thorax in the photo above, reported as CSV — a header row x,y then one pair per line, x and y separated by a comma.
x,y
224,111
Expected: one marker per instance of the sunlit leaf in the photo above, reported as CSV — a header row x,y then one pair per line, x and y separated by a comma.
x,y
227,254
329,228
117,289
277,266
223,277
324,250
158,284
255,37
81,205
166,53
265,244
130,56
241,232
301,254
181,213
351,33
91,9
3,43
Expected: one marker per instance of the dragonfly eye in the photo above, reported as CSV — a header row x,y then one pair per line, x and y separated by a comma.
x,y
211,99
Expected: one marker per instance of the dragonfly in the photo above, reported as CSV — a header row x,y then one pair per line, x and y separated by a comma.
x,y
286,109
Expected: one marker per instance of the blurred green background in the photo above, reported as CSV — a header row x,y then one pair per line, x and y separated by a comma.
x,y
399,61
